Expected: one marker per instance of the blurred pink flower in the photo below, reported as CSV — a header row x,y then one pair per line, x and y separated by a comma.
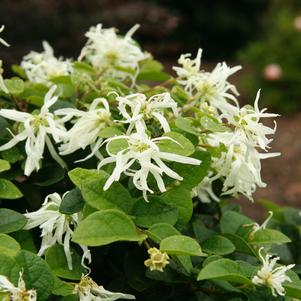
x,y
272,71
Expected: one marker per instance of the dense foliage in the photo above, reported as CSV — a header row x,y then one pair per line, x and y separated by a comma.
x,y
114,172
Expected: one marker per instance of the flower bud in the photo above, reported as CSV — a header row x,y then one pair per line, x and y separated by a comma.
x,y
157,261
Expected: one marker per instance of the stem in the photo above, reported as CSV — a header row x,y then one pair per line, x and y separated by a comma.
x,y
147,245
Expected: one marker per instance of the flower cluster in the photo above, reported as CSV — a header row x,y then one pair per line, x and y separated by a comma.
x,y
239,159
41,67
111,54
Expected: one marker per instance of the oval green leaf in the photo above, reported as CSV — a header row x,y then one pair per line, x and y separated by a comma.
x,y
224,269
181,245
218,245
11,220
156,211
9,190
104,227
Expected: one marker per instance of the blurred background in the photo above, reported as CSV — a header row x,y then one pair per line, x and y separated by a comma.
x,y
262,35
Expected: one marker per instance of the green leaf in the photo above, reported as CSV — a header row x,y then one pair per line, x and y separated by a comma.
x,y
193,174
109,132
79,175
212,124
180,198
160,231
181,245
9,267
218,245
9,190
24,238
201,232
153,212
8,245
12,155
34,93
178,144
11,221
116,197
268,236
19,71
56,259
62,288
185,263
293,290
72,297
83,67
232,222
4,125
117,145
269,205
61,104
72,202
185,124
4,165
179,94
15,85
104,227
224,269
240,244
35,100
152,70
36,273
64,85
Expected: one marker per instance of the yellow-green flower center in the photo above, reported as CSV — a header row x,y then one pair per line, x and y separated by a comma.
x,y
38,121
140,147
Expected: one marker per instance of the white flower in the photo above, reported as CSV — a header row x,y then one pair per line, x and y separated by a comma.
x,y
112,54
239,164
256,227
88,290
18,293
37,129
2,41
270,276
204,191
247,120
211,87
2,84
141,158
189,72
56,227
136,108
41,67
86,129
